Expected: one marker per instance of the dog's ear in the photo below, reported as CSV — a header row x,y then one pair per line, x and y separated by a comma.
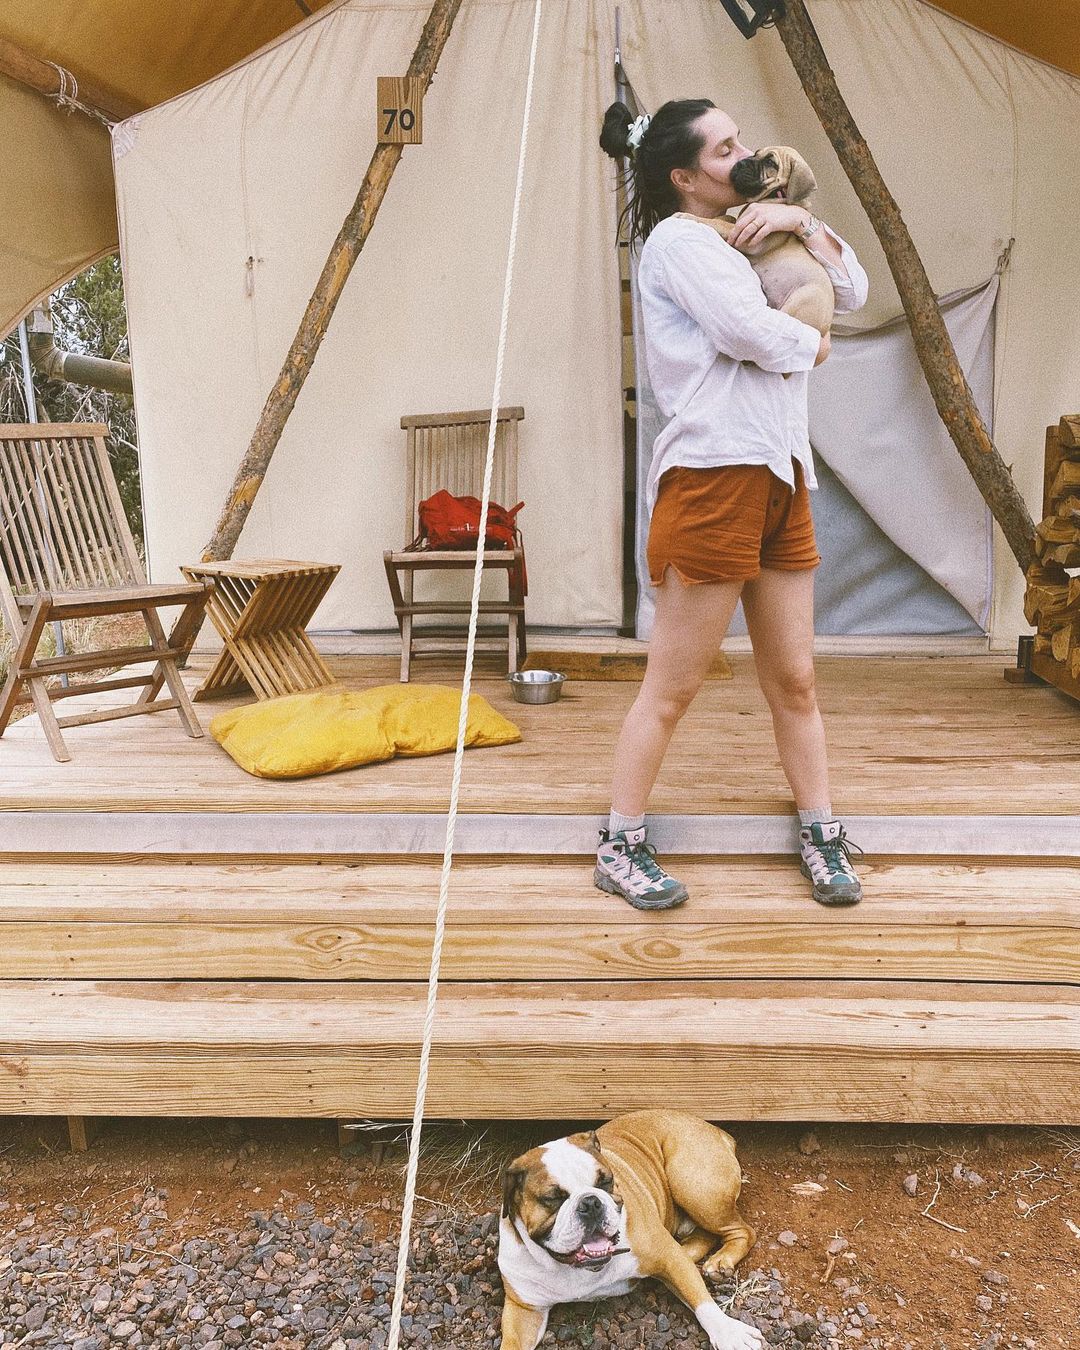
x,y
513,1185
801,181
594,1141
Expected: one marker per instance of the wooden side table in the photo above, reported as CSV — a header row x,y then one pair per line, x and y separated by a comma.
x,y
260,609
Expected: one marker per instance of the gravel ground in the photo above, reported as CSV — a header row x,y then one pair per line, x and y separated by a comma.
x,y
322,1282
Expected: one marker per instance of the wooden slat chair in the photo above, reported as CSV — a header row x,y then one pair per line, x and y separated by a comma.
x,y
448,451
67,553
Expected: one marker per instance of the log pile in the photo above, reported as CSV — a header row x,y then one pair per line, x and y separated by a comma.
x,y
1052,599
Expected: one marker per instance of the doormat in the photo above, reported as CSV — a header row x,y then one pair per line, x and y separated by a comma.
x,y
609,665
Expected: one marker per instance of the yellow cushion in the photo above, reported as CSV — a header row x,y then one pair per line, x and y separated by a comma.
x,y
337,728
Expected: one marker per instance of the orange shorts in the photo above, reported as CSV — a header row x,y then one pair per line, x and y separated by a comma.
x,y
727,523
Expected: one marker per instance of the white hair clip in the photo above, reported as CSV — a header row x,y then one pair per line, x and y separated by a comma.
x,y
636,130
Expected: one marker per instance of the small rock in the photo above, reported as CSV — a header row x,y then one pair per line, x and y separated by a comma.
x,y
984,1303
994,1277
787,1238
911,1184
836,1246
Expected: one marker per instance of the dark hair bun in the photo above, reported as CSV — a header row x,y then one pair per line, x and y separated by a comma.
x,y
617,122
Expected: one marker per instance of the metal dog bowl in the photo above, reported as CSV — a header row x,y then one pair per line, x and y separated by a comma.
x,y
536,686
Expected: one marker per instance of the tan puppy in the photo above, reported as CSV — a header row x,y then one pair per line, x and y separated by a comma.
x,y
791,277
648,1194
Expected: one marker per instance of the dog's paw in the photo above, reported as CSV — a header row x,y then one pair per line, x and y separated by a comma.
x,y
740,1337
725,1333
720,1279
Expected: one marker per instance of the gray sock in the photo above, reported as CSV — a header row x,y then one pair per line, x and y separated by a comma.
x,y
815,815
617,824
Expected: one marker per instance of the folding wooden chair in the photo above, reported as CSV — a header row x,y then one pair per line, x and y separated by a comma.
x,y
67,553
449,450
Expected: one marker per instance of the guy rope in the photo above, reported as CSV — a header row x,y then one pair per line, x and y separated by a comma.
x,y
451,820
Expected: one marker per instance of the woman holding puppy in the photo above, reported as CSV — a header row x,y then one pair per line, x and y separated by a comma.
x,y
728,484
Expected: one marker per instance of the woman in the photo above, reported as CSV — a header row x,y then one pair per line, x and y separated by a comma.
x,y
728,483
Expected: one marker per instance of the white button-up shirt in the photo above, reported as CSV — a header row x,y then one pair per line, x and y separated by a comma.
x,y
716,354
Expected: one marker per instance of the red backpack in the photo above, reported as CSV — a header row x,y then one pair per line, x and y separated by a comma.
x,y
454,522
447,521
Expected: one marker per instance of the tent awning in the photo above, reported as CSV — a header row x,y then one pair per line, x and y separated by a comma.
x,y
59,207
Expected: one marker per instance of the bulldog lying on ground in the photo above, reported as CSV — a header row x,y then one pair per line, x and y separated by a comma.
x,y
648,1194
791,277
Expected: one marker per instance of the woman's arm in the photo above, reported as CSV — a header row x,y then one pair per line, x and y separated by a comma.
x,y
724,297
760,219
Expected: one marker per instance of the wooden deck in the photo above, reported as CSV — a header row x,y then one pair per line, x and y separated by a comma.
x,y
180,938
906,736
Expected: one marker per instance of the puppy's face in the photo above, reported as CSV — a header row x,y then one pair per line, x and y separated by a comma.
x,y
777,170
562,1199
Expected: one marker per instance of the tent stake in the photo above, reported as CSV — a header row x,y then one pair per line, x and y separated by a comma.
x,y
320,309
933,345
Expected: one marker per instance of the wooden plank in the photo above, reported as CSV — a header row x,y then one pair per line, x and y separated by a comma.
x,y
762,890
1055,673
508,921
767,1050
82,1131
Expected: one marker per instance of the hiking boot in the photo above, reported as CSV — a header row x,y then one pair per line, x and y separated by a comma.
x,y
826,862
626,865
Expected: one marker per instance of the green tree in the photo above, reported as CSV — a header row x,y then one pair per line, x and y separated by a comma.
x,y
89,317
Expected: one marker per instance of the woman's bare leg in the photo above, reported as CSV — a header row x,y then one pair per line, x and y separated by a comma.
x,y
687,632
779,608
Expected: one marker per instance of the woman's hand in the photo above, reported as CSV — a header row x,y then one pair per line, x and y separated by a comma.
x,y
760,219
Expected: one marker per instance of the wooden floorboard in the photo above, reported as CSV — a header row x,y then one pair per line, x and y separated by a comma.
x,y
905,735
535,919
746,1049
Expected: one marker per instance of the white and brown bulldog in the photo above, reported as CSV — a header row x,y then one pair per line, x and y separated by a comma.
x,y
648,1194
791,277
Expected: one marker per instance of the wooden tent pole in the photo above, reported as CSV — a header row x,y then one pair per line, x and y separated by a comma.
x,y
321,306
45,78
932,342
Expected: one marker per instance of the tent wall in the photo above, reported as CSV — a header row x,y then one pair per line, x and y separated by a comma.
x,y
971,136
263,164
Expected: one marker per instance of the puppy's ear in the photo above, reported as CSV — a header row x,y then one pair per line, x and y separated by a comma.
x,y
801,181
513,1185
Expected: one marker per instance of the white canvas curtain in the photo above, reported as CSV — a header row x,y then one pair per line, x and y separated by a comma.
x,y
896,479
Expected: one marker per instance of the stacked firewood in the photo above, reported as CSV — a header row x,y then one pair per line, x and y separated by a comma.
x,y
1052,601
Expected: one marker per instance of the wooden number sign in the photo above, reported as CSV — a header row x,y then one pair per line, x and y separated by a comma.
x,y
401,102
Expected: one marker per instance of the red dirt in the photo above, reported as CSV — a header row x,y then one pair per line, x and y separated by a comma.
x,y
1010,1243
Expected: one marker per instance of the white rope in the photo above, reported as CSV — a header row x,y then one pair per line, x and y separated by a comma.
x,y
67,96
451,820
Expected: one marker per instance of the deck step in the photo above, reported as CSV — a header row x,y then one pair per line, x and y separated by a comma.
x,y
786,1049
534,919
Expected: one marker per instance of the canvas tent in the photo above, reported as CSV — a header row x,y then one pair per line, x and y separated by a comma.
x,y
229,195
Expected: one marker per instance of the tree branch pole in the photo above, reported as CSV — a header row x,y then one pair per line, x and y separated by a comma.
x,y
933,345
321,306
45,78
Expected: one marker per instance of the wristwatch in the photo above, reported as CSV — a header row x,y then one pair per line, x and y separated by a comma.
x,y
811,228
